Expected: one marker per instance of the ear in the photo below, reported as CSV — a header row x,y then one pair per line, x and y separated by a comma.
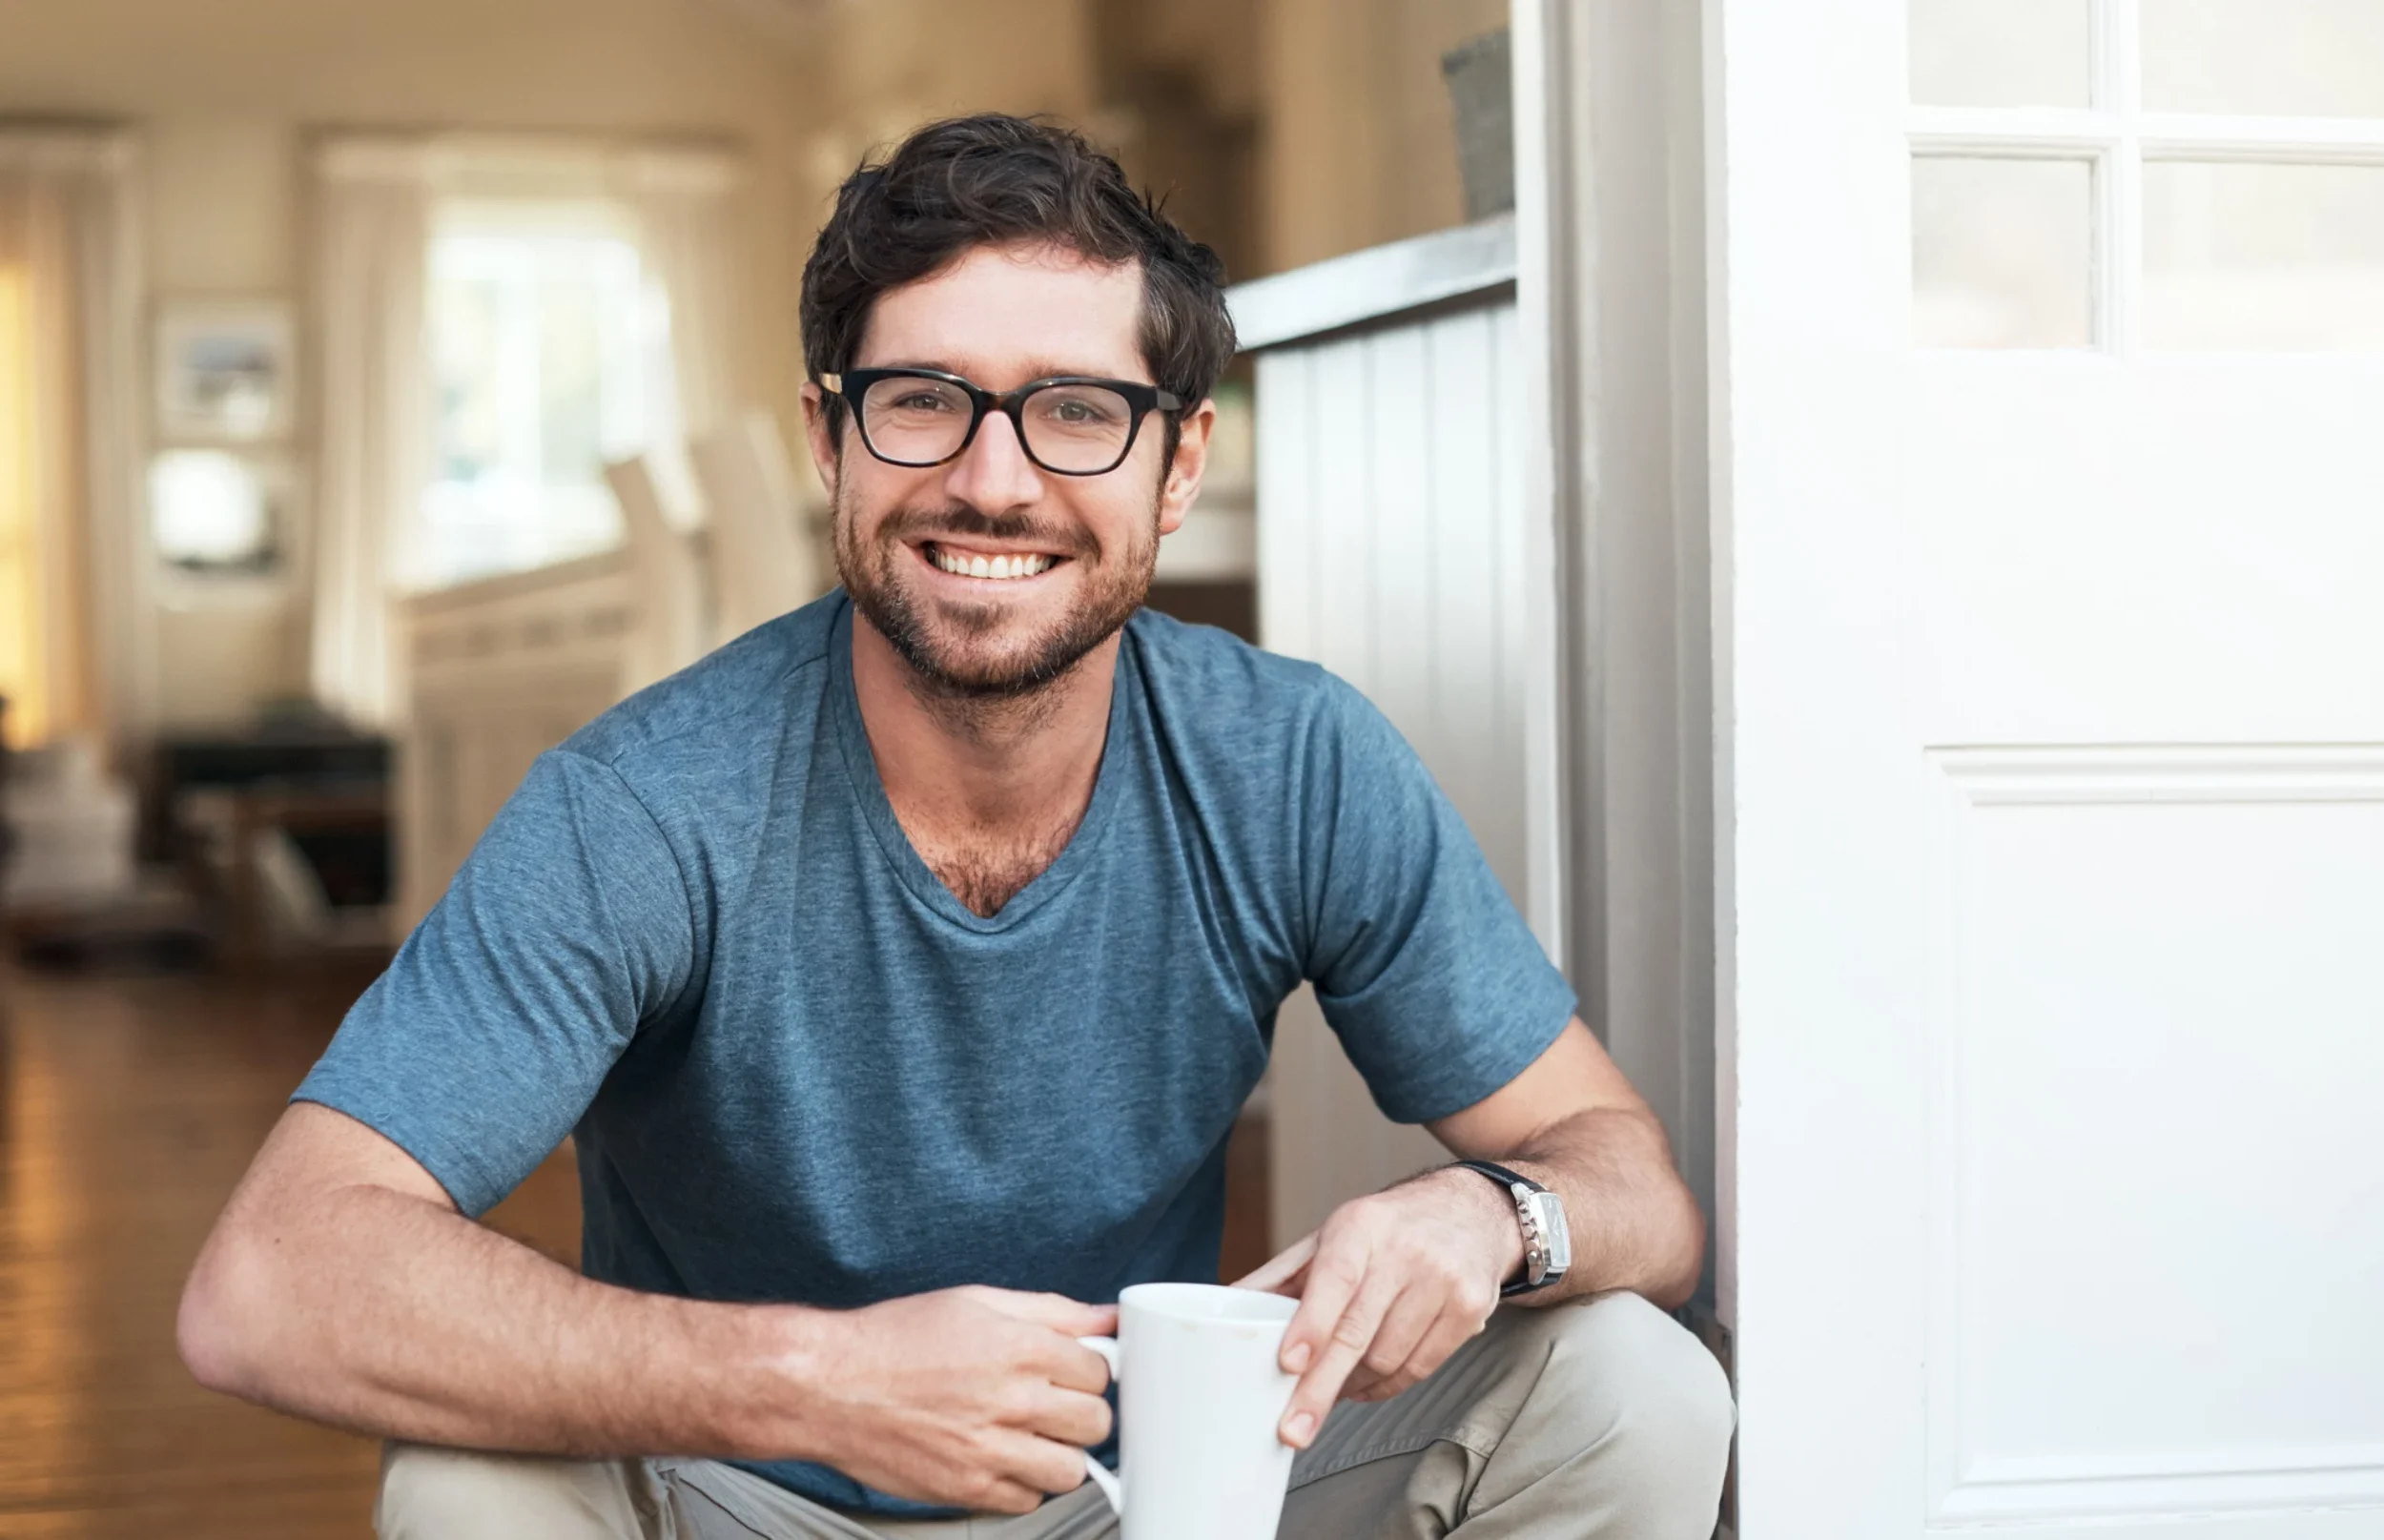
x,y
816,432
1183,472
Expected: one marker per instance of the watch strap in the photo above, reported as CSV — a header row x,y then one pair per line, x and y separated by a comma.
x,y
1510,1180
1500,1174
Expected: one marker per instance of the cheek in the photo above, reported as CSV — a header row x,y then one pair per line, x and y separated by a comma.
x,y
1121,519
869,494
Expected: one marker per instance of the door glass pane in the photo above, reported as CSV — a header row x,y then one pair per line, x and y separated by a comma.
x,y
2286,259
2295,58
2001,52
2002,253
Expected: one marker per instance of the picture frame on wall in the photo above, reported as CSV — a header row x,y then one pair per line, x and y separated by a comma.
x,y
226,370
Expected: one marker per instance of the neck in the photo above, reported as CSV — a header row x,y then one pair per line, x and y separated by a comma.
x,y
971,761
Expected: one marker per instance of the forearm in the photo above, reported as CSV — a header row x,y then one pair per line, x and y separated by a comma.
x,y
1635,1225
382,1312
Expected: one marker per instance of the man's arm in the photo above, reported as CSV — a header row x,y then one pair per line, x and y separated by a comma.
x,y
342,1283
1394,1283
1573,1123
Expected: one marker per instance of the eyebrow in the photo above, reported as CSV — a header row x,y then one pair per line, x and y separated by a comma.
x,y
1036,369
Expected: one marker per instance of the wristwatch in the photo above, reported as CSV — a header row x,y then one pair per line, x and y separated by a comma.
x,y
1547,1243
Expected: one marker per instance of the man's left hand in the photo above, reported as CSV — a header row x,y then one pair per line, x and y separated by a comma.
x,y
1393,1284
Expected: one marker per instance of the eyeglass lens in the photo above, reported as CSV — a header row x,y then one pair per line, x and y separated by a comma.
x,y
922,421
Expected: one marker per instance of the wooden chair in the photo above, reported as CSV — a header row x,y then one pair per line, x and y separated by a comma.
x,y
763,559
666,577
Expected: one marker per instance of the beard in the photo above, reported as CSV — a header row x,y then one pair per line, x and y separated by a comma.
x,y
987,651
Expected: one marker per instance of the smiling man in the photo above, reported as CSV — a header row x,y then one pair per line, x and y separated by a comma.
x,y
900,970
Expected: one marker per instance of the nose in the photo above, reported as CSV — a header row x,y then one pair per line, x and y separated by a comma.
x,y
993,475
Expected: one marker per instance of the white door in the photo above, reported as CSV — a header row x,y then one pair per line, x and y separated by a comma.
x,y
2048,345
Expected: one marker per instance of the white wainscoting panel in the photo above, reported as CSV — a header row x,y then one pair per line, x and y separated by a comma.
x,y
498,672
1390,539
2156,1184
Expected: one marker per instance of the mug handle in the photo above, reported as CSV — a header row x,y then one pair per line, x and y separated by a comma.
x,y
1098,1473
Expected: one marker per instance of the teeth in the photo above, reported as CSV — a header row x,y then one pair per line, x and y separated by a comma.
x,y
998,567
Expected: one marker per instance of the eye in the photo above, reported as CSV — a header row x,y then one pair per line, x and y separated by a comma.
x,y
1080,409
921,401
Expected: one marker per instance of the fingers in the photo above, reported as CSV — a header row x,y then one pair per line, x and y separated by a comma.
x,y
1071,1365
1283,1269
1332,1282
1404,1325
1047,1465
1458,1322
1061,1314
1347,1337
1024,1469
1069,1417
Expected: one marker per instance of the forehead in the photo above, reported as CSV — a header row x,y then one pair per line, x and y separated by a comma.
x,y
1001,315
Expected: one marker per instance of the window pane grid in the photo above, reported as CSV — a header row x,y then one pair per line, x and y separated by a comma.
x,y
2340,253
549,358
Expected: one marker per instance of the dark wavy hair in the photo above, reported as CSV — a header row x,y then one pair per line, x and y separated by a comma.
x,y
992,179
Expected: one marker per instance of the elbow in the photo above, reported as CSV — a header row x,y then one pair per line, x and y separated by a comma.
x,y
1676,1284
1671,1292
220,1327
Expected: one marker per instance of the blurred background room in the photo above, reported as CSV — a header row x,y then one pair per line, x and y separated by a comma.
x,y
385,389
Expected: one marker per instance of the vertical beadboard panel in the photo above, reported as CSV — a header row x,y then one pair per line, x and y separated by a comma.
x,y
1288,570
1397,567
1390,513
1342,485
1476,734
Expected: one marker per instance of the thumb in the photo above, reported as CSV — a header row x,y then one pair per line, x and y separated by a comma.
x,y
1277,1275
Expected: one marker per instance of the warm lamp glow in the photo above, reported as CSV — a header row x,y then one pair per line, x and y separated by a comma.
x,y
20,585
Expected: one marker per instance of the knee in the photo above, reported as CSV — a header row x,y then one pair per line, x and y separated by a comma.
x,y
432,1493
1629,1380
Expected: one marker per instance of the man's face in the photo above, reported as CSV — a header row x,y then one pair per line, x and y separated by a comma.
x,y
1086,546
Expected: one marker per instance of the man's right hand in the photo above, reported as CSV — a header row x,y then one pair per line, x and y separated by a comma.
x,y
977,1398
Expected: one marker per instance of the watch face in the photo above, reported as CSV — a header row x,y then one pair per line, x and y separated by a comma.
x,y
1550,1211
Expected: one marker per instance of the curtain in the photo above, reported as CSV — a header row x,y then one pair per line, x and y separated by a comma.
x,y
371,241
71,617
685,202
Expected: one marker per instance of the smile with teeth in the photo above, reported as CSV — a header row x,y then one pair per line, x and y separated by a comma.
x,y
1024,564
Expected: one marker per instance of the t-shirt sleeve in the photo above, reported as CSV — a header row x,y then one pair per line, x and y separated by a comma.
x,y
1436,987
480,1048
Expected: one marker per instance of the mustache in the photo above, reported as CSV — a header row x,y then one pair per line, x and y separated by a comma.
x,y
960,522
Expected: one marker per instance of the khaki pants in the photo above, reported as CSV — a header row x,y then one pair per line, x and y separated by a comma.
x,y
1598,1418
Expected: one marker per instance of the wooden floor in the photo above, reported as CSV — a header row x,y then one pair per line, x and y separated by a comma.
x,y
128,1109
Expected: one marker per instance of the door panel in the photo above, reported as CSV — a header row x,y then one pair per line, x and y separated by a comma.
x,y
2148,1170
2053,715
2159,550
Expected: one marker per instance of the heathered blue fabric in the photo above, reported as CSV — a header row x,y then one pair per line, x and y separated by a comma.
x,y
798,1069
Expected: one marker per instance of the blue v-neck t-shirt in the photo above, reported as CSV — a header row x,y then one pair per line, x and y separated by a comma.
x,y
798,1069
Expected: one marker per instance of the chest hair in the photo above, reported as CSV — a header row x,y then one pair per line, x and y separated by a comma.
x,y
985,869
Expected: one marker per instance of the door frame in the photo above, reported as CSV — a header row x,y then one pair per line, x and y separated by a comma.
x,y
1611,253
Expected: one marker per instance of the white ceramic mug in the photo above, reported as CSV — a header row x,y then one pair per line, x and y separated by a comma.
x,y
1199,1397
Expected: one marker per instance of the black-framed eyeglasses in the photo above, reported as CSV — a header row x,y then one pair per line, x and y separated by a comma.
x,y
1069,425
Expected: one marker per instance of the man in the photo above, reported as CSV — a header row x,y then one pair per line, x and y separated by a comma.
x,y
900,970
